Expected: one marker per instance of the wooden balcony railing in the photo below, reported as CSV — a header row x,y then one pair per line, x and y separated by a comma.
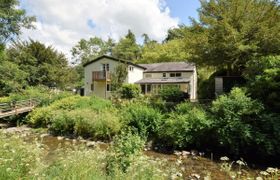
x,y
100,75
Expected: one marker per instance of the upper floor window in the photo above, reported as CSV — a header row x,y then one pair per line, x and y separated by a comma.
x,y
105,67
163,74
108,88
148,75
175,74
131,68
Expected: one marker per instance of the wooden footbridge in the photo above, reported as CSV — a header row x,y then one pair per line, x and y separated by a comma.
x,y
17,107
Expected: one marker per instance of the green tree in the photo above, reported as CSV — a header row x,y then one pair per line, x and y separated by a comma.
x,y
87,50
263,75
12,79
231,32
127,48
44,65
118,76
12,19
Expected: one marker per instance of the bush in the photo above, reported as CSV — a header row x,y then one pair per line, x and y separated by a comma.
x,y
78,116
235,115
186,126
126,148
172,94
129,91
142,118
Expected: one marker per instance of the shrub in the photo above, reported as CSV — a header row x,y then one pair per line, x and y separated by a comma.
x,y
129,91
172,94
40,117
126,148
234,115
142,118
186,126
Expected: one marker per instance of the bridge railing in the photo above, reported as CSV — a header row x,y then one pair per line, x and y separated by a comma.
x,y
14,105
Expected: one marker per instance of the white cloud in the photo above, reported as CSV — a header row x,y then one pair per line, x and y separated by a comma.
x,y
62,23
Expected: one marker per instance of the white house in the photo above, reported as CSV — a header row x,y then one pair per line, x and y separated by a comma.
x,y
151,77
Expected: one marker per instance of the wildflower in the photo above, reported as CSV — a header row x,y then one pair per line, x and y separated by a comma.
x,y
264,173
8,169
240,162
224,158
271,170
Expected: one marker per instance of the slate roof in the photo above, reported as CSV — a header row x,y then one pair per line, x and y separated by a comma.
x,y
114,59
163,81
169,67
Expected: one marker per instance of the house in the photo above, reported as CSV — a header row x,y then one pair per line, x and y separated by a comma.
x,y
151,77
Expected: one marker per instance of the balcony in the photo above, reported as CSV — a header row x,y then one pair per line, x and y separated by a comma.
x,y
101,76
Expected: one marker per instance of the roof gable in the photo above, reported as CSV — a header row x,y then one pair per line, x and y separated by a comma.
x,y
114,59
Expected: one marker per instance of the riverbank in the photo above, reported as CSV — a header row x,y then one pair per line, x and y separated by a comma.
x,y
180,165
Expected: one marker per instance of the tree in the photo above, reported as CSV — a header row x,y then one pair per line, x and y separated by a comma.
x,y
263,76
43,64
12,19
118,76
127,48
231,32
12,79
87,50
172,50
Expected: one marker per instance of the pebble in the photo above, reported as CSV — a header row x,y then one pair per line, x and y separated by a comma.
x,y
60,138
90,144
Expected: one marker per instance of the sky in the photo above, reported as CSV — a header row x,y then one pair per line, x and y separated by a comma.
x,y
62,23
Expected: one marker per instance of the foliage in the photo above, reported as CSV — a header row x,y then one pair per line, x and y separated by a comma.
x,y
127,48
12,20
12,79
263,76
129,91
187,126
235,115
173,50
172,94
78,116
231,32
118,76
42,64
126,149
18,159
86,123
145,120
87,50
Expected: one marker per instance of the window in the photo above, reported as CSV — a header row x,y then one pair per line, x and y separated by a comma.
x,y
108,87
148,75
149,87
131,68
92,87
105,67
163,74
175,74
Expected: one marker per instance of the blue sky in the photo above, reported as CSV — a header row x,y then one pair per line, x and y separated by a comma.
x,y
62,23
183,9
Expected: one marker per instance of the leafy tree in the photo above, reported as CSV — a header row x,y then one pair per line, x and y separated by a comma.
x,y
172,50
231,32
12,79
12,19
87,50
118,76
127,48
263,75
43,64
